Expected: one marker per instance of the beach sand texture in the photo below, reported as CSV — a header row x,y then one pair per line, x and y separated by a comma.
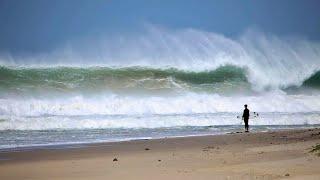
x,y
266,155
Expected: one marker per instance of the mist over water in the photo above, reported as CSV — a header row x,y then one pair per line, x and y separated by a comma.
x,y
271,61
162,78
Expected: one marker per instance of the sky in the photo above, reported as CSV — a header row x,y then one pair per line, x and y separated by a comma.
x,y
36,26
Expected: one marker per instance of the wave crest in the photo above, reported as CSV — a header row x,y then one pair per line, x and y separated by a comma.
x,y
271,62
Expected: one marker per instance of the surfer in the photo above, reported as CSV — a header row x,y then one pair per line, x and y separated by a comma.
x,y
245,117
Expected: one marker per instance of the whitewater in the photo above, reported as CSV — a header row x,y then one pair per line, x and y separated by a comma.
x,y
159,83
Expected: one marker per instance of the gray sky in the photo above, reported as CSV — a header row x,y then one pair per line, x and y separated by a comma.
x,y
34,26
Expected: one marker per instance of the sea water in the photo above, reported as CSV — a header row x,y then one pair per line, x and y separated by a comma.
x,y
163,83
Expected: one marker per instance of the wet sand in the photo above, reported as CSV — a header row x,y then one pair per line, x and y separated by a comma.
x,y
267,155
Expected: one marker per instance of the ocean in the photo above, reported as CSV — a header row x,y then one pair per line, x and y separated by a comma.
x,y
160,85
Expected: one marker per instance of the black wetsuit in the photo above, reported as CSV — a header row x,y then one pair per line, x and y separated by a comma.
x,y
245,117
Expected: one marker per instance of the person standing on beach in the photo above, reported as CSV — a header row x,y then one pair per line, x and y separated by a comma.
x,y
245,117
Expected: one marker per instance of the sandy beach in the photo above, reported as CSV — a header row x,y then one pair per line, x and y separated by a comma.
x,y
265,155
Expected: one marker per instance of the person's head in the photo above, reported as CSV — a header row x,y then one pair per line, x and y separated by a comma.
x,y
245,106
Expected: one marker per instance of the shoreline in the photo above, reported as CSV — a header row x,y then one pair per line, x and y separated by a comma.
x,y
71,145
259,155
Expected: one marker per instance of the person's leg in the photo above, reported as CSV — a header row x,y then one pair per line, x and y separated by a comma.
x,y
246,125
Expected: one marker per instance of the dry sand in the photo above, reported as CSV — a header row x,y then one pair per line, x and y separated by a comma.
x,y
269,155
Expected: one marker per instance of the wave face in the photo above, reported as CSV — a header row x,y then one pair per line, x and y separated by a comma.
x,y
67,80
313,81
163,78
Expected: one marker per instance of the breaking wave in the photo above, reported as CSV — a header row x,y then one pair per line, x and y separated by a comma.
x,y
163,78
270,62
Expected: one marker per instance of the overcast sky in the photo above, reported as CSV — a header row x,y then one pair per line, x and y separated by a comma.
x,y
42,25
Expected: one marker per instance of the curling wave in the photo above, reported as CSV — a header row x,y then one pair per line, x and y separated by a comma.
x,y
271,62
